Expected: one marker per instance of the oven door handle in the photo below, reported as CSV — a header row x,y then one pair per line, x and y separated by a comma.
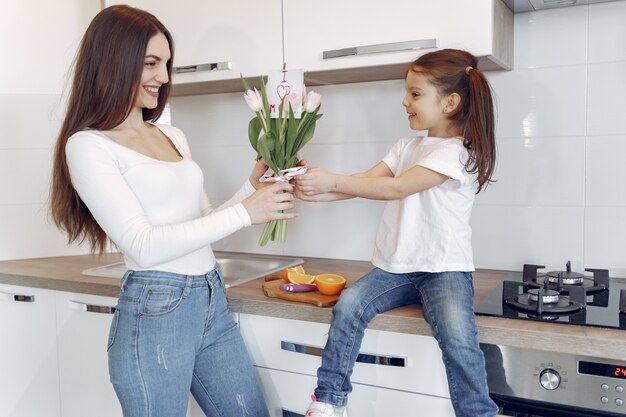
x,y
540,409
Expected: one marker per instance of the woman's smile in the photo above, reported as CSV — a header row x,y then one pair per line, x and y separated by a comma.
x,y
152,90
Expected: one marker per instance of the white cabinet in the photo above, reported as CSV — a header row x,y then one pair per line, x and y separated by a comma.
x,y
246,34
254,37
405,365
83,323
288,395
481,27
29,374
53,355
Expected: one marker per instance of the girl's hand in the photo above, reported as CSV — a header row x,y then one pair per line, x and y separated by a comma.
x,y
320,198
316,181
257,172
268,202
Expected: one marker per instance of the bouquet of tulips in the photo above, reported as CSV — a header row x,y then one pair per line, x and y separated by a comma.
x,y
278,140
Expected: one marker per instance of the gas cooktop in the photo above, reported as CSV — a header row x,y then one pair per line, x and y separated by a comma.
x,y
566,297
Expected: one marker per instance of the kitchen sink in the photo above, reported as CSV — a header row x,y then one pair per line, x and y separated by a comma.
x,y
237,268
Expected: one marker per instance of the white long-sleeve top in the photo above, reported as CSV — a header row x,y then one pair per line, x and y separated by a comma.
x,y
157,213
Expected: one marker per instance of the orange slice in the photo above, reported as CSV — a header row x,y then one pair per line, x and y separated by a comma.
x,y
296,269
330,284
296,278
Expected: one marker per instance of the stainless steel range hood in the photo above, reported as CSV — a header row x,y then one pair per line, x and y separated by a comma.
x,y
520,6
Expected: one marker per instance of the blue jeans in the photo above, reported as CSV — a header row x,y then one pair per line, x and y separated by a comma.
x,y
447,302
172,334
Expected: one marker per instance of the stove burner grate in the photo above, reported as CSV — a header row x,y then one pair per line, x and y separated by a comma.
x,y
550,301
568,277
562,306
596,284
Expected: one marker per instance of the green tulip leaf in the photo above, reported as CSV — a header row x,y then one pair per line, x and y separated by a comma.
x,y
307,135
292,132
265,152
254,129
246,86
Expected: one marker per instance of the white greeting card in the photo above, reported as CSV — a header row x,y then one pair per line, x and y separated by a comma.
x,y
288,85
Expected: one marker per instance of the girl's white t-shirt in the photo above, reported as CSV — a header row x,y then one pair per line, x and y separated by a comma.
x,y
157,213
428,231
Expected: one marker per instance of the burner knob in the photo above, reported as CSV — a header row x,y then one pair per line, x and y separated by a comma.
x,y
550,379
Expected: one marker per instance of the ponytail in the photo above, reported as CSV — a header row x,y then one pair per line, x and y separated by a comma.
x,y
479,129
454,71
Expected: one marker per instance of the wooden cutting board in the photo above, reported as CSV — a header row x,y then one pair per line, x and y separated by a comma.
x,y
271,289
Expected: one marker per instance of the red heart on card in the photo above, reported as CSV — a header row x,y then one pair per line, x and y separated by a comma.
x,y
282,91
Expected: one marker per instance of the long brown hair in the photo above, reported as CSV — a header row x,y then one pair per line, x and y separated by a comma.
x,y
454,71
107,75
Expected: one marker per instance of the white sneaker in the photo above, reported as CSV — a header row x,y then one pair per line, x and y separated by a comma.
x,y
320,409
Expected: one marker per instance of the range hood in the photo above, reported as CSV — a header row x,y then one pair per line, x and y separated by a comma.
x,y
520,6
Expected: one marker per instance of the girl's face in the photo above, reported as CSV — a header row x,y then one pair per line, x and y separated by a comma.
x,y
424,105
154,73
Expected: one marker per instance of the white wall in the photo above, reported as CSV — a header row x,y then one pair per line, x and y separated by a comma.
x,y
38,42
560,193
562,143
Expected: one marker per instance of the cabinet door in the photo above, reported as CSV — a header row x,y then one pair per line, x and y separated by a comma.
x,y
83,323
246,34
288,395
333,25
393,360
29,374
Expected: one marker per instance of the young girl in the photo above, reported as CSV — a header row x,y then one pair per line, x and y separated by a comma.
x,y
423,250
119,176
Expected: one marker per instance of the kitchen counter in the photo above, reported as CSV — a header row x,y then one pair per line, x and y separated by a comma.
x,y
64,274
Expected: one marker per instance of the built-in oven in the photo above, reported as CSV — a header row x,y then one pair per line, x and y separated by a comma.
x,y
527,382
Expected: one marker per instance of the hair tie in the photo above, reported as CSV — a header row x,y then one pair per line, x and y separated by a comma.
x,y
468,69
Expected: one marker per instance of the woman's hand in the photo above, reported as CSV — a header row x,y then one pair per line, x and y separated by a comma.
x,y
258,170
267,203
316,181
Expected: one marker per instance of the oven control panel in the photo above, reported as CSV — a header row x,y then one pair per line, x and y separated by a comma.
x,y
556,378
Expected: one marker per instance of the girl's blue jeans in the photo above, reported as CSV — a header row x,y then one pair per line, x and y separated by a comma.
x,y
172,334
447,301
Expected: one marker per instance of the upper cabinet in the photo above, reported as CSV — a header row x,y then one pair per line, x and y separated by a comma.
x,y
334,41
331,35
218,40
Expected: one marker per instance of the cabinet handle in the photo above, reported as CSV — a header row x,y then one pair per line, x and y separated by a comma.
x,y
4,296
216,66
76,305
363,357
382,47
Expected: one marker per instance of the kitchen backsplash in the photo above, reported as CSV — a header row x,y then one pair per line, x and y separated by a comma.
x,y
561,144
560,193
32,81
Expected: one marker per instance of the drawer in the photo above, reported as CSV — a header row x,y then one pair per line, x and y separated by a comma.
x,y
288,395
401,361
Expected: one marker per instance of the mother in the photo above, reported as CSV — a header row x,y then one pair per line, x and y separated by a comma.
x,y
118,176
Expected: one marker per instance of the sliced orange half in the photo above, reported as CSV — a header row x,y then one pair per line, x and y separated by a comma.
x,y
330,284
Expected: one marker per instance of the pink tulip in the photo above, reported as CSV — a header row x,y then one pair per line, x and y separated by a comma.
x,y
312,101
295,100
254,100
